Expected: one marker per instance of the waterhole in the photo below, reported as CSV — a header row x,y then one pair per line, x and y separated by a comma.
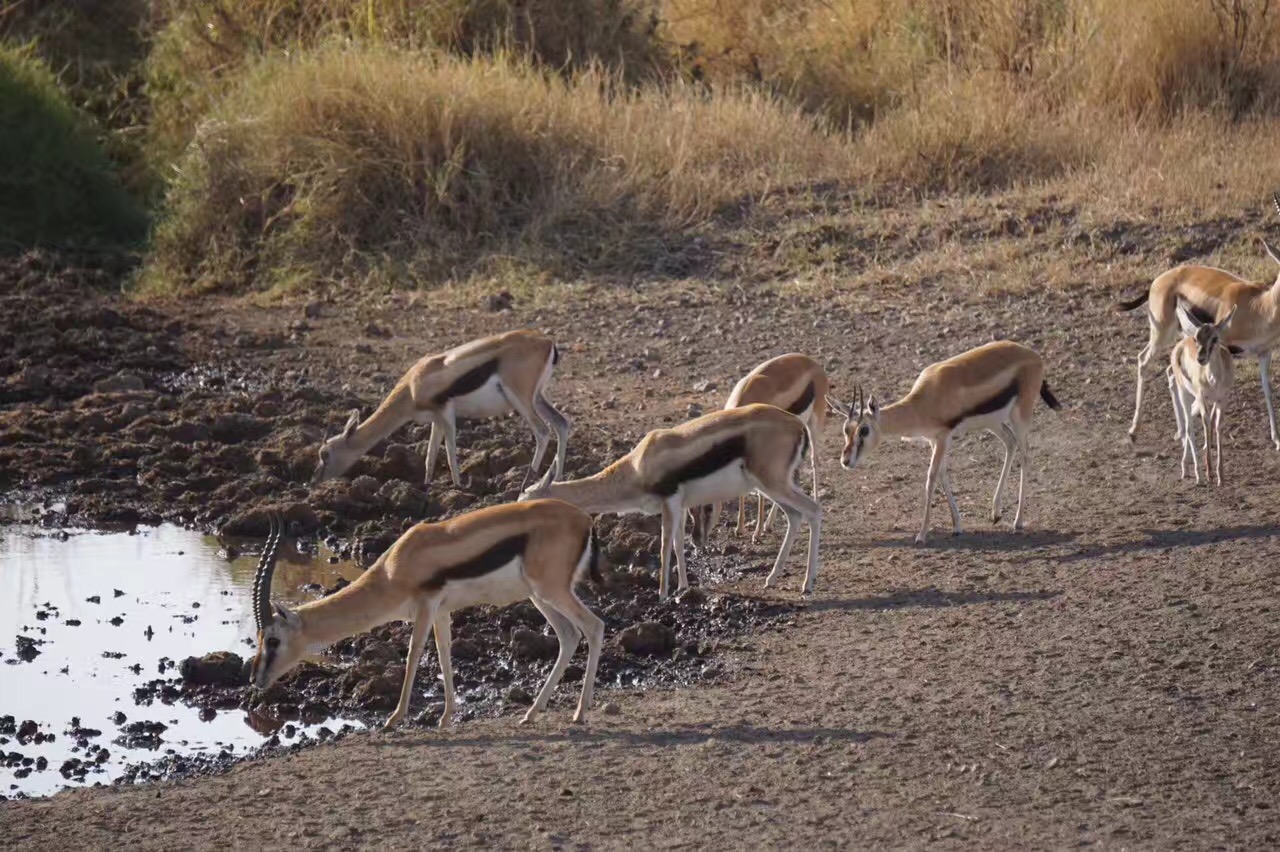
x,y
87,618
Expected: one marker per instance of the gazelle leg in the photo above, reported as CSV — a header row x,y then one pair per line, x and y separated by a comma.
x,y
936,461
1217,444
1010,442
669,525
677,541
1144,358
449,425
1205,414
444,639
951,501
796,506
559,424
1264,369
541,434
583,620
1177,405
1183,416
425,618
433,451
1189,439
567,634
742,515
1024,439
755,535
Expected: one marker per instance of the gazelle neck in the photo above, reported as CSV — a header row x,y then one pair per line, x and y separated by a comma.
x,y
613,489
394,412
361,606
901,420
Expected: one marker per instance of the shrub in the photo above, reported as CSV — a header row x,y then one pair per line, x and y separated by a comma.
x,y
350,162
57,186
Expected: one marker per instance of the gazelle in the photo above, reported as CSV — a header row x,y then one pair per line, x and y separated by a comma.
x,y
1211,293
484,378
992,387
716,457
794,383
494,556
1201,373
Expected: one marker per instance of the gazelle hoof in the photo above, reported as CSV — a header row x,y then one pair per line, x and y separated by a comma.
x,y
1132,436
395,720
921,538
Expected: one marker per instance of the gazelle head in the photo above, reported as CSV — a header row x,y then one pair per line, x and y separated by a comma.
x,y
338,453
280,641
1207,335
861,427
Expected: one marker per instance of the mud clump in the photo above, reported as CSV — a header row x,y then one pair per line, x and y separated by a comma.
x,y
648,639
220,668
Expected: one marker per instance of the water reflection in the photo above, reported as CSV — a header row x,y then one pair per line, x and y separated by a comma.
x,y
103,611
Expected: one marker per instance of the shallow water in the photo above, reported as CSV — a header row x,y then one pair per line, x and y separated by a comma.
x,y
175,594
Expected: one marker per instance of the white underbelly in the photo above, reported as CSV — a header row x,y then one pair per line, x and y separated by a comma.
x,y
496,588
726,483
993,420
487,400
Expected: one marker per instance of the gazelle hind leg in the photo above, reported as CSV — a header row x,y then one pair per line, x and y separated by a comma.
x,y
1264,369
1010,442
559,424
1144,358
567,634
1217,444
796,506
444,641
433,451
449,424
541,434
951,501
677,541
570,607
1024,442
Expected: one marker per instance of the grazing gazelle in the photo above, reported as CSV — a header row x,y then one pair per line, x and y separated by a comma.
x,y
716,457
794,383
494,556
484,378
1211,293
993,387
1201,373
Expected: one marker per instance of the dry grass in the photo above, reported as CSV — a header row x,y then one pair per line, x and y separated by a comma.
x,y
352,163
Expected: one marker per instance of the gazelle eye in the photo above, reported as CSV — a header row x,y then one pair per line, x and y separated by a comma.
x,y
864,430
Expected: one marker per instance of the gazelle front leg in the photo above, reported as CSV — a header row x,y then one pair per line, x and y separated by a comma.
x,y
449,425
677,540
559,424
931,482
425,618
669,526
541,435
1024,439
1217,442
1264,368
433,452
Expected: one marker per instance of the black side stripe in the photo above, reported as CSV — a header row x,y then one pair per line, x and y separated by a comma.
x,y
477,566
802,404
719,456
471,380
996,403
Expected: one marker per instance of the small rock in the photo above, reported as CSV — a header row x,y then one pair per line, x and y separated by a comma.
x,y
502,301
312,310
518,695
527,644
220,668
610,709
373,329
648,639
704,386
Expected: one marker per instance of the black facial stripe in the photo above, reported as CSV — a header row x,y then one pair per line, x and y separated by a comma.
x,y
996,403
801,405
471,380
719,456
487,562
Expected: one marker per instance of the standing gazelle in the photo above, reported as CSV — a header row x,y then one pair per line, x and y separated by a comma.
x,y
484,378
715,457
1201,373
494,556
794,383
1213,292
993,387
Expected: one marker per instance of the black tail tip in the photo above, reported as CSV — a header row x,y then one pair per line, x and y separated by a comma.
x,y
1130,304
1048,397
593,561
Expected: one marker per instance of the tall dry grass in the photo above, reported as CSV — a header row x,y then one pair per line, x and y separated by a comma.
x,y
347,163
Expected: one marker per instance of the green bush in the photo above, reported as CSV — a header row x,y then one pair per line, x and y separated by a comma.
x,y
57,185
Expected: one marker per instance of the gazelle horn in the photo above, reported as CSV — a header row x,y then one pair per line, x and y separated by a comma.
x,y
266,568
1275,201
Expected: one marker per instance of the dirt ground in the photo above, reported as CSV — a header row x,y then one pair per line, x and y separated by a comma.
x,y
1109,676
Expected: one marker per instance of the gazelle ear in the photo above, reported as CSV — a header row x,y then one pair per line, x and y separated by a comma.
x,y
1187,320
1271,253
837,407
872,408
1225,322
352,422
